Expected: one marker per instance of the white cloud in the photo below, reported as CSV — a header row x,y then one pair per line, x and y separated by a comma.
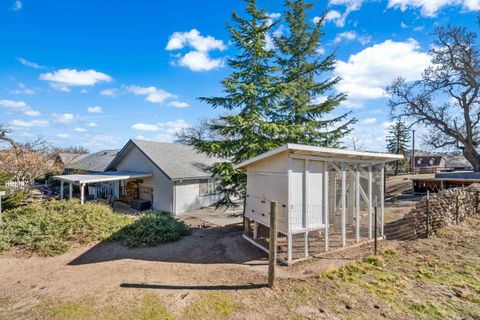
x,y
320,51
178,104
350,6
17,5
63,135
96,109
92,124
193,39
197,59
144,127
168,130
63,79
22,89
109,92
350,36
430,8
14,106
366,73
156,95
368,121
403,25
78,129
272,17
30,64
200,61
28,124
64,118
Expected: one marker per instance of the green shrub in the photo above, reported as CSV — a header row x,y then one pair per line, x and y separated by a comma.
x,y
51,227
152,228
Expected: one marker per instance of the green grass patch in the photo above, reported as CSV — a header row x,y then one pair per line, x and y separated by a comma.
x,y
50,228
212,305
148,307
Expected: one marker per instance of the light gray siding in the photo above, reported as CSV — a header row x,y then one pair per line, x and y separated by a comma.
x,y
134,160
187,195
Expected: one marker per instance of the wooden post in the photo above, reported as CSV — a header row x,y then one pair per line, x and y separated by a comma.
x,y
2,193
370,207
272,255
61,189
427,214
344,206
357,202
456,209
325,204
476,200
376,236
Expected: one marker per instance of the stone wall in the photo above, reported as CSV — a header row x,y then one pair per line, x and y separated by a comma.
x,y
447,207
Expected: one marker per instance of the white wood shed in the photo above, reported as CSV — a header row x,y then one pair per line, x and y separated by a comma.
x,y
325,196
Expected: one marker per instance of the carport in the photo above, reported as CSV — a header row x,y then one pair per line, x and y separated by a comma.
x,y
83,179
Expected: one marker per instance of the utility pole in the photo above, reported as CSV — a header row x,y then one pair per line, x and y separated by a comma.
x,y
412,160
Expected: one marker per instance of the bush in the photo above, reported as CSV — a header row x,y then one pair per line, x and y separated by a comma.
x,y
50,228
152,228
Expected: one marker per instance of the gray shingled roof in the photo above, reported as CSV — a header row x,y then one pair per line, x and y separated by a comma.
x,y
177,161
94,162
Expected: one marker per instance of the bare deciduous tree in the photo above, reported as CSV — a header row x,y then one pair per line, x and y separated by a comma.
x,y
24,161
446,99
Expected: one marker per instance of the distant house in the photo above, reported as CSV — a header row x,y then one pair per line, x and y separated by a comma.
x,y
89,163
170,177
428,164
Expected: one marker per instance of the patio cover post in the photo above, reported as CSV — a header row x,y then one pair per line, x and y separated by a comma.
x,y
70,191
61,189
382,199
82,196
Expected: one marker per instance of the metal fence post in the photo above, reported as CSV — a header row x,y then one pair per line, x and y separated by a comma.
x,y
427,214
272,254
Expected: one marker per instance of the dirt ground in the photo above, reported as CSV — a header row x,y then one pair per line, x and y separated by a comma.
x,y
211,258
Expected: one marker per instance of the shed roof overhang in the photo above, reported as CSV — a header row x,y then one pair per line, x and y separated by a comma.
x,y
325,153
102,177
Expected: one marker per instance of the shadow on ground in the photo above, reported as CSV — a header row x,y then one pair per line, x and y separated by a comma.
x,y
203,246
176,287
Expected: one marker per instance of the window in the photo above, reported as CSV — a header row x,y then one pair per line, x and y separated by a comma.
x,y
208,187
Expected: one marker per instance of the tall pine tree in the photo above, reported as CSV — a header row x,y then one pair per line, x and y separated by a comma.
x,y
397,142
306,83
249,91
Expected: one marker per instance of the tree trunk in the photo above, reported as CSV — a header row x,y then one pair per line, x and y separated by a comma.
x,y
396,167
472,156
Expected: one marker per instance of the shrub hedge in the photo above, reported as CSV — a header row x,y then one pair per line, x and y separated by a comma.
x,y
50,228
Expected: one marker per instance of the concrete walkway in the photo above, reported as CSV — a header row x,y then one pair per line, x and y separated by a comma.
x,y
218,217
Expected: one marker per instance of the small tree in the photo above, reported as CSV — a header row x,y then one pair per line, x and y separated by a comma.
x,y
397,142
446,98
24,162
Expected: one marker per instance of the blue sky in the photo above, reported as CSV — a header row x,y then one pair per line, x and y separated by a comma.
x,y
96,73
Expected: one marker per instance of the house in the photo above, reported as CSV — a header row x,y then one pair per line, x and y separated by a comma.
x,y
428,164
64,159
93,162
326,198
170,177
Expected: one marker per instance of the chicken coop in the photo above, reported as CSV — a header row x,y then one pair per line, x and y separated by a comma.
x,y
326,198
